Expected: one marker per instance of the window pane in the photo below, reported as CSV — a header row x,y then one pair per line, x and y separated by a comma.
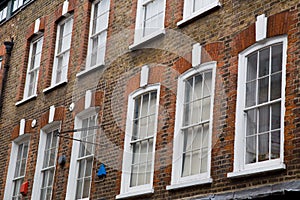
x,y
276,58
153,103
198,87
204,160
196,111
86,188
134,170
252,67
145,101
79,189
263,147
251,149
251,122
186,158
205,135
186,114
275,144
276,116
205,109
264,118
142,174
197,137
276,86
188,138
250,94
264,62
207,84
188,90
89,166
263,90
195,162
143,151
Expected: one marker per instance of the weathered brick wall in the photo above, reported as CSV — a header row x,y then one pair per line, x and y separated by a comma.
x,y
223,33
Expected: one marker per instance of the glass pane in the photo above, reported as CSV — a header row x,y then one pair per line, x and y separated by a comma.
x,y
136,153
196,109
153,103
263,90
195,162
151,125
207,84
187,141
137,104
275,144
86,188
263,147
205,109
197,137
144,152
46,159
133,181
251,149
52,157
188,90
276,58
198,87
43,193
251,122
142,174
205,135
79,189
186,114
148,173
252,67
89,167
264,62
135,129
23,166
150,150
94,51
143,127
276,116
276,86
81,168
250,94
17,171
144,109
264,118
204,160
50,177
186,164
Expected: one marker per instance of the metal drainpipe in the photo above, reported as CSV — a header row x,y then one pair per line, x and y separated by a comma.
x,y
8,47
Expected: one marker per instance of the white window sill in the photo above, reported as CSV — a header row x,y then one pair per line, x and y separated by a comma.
x,y
26,100
198,13
135,193
54,86
189,183
89,70
249,172
145,40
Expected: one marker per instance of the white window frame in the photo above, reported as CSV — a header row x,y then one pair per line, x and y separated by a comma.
x,y
9,186
177,181
139,23
3,13
35,69
64,77
126,190
92,35
38,176
189,14
74,165
240,167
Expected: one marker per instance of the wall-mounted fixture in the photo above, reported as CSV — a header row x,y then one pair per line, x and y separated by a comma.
x,y
24,188
101,171
62,160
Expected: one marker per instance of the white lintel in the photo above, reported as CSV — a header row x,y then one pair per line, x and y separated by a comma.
x,y
22,127
51,114
144,76
88,99
261,27
196,55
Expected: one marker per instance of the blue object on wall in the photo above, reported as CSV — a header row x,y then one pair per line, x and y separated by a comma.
x,y
101,171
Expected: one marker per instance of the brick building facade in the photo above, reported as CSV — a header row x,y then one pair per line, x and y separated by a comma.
x,y
158,99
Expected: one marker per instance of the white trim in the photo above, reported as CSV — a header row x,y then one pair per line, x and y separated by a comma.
x,y
73,170
88,99
196,54
55,86
144,76
176,180
147,39
51,114
22,127
139,28
239,167
261,27
37,182
65,8
126,190
37,25
26,100
188,15
8,191
89,70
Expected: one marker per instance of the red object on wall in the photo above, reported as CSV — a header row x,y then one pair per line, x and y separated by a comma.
x,y
24,188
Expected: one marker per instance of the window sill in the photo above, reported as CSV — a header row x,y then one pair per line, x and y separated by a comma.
x,y
147,39
249,172
89,70
55,86
26,100
198,13
189,183
135,193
